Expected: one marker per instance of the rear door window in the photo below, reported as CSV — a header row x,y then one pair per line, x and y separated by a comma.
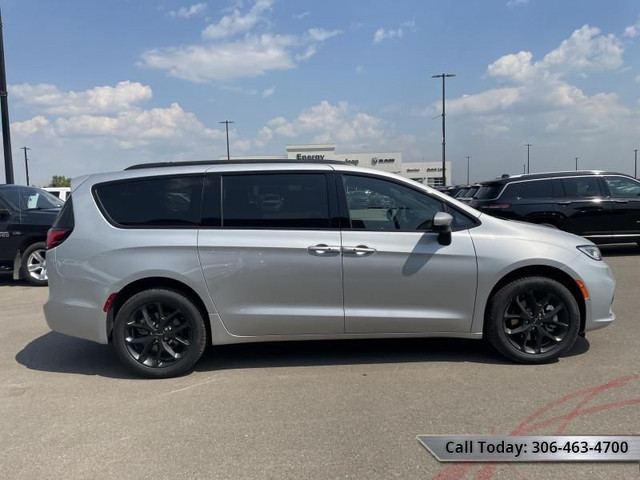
x,y
152,202
581,187
285,200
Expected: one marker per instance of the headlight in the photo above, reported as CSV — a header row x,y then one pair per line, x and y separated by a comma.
x,y
591,251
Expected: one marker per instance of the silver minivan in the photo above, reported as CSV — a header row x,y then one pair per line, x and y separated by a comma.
x,y
163,259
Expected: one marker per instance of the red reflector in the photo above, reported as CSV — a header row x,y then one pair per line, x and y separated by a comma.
x,y
498,205
55,236
108,303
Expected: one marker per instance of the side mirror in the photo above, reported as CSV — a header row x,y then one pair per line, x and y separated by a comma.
x,y
442,222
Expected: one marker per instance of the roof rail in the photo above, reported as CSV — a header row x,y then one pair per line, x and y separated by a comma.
x,y
193,163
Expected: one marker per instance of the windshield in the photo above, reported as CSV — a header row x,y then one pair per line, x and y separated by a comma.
x,y
36,199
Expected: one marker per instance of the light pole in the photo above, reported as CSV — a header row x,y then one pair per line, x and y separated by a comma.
x,y
635,168
576,164
4,113
227,122
468,157
444,172
528,145
26,163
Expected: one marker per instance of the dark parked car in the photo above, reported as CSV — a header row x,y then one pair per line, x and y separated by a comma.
x,y
26,213
601,206
466,193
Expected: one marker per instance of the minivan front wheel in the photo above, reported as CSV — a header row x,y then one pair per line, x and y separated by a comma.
x,y
533,320
159,333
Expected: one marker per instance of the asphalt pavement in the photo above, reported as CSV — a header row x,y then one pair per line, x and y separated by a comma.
x,y
312,410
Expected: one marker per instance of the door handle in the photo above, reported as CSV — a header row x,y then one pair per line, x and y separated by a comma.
x,y
323,248
564,203
621,201
359,250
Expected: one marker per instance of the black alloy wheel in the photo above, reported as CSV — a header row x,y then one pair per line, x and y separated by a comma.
x,y
533,320
159,333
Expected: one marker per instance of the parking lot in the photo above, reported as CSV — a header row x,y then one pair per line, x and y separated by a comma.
x,y
316,410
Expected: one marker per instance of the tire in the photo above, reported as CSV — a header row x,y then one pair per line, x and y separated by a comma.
x,y
33,267
533,320
159,333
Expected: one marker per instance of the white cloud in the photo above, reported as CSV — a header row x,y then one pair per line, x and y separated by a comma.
x,y
91,130
104,99
300,16
188,12
221,58
236,22
632,31
29,127
251,57
268,92
540,100
382,34
320,34
586,49
328,123
515,3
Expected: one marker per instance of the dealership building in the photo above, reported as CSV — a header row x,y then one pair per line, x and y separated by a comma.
x,y
429,173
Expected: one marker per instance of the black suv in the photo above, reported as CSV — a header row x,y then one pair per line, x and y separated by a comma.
x,y
601,206
26,213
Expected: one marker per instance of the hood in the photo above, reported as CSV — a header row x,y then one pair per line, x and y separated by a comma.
x,y
534,232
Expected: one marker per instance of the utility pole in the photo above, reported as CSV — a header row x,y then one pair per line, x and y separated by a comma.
x,y
4,113
226,123
528,145
26,163
444,173
468,157
576,164
635,169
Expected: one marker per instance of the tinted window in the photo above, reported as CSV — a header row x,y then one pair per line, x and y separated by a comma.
x,y
287,200
65,218
580,187
623,187
376,204
12,196
487,192
536,189
154,201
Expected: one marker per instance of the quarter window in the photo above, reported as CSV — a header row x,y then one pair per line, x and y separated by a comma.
x,y
153,201
376,204
288,200
581,187
623,187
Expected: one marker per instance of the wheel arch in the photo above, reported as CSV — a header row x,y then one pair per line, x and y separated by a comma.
x,y
541,271
24,244
148,283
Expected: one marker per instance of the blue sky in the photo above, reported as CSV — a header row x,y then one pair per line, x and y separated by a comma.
x,y
96,86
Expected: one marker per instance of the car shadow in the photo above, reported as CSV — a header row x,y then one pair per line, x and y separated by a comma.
x,y
58,353
6,280
620,250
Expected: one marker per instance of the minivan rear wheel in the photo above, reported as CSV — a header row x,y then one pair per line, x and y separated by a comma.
x,y
159,333
34,264
533,320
